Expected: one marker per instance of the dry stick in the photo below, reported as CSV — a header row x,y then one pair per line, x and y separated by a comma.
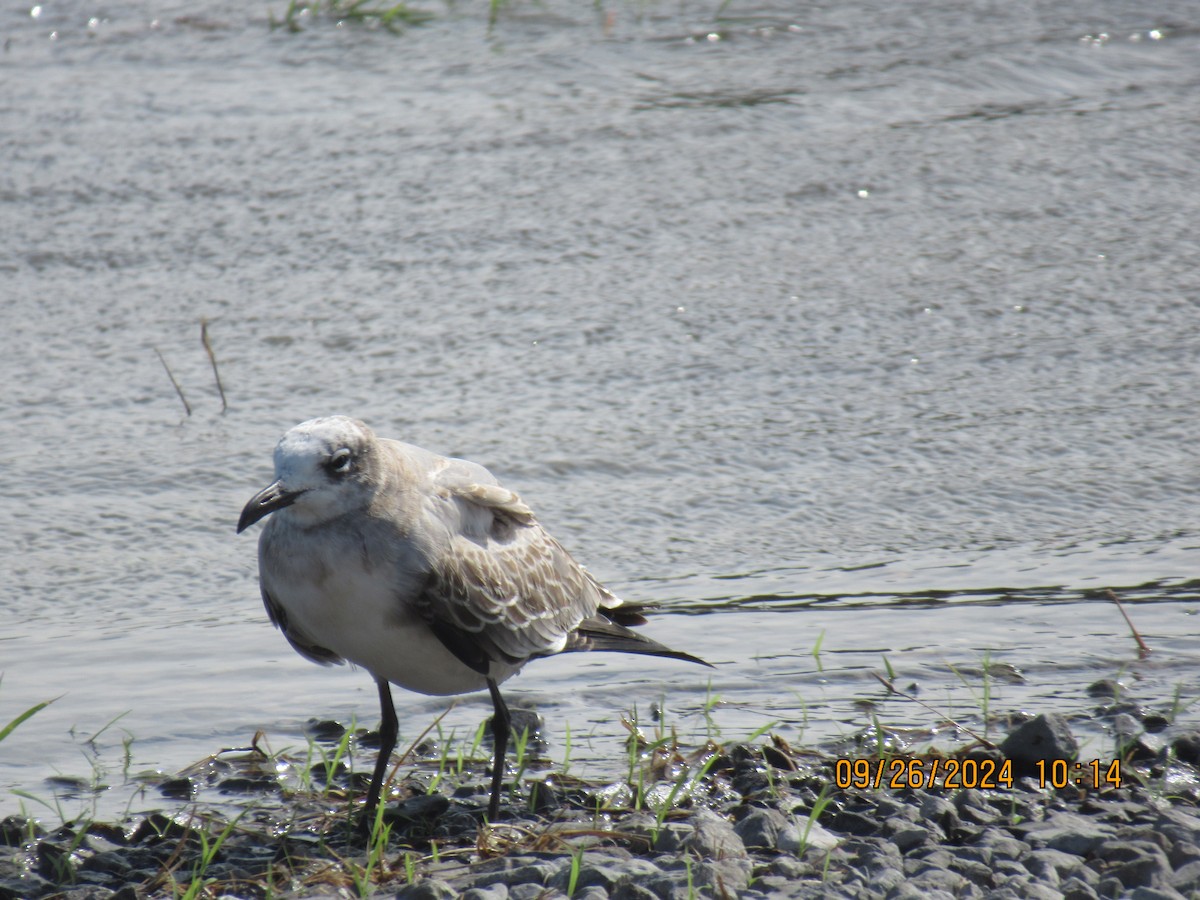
x,y
212,359
1143,650
187,406
413,746
899,693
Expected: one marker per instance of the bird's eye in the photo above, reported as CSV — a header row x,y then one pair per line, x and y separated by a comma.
x,y
340,462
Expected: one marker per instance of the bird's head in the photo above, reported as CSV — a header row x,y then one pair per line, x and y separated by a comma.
x,y
322,471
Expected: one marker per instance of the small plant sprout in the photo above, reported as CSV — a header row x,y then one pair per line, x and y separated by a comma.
x,y
818,807
359,12
710,702
573,876
23,717
373,870
520,749
209,847
816,650
983,696
566,763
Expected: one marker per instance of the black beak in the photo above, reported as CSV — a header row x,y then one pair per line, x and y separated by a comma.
x,y
272,497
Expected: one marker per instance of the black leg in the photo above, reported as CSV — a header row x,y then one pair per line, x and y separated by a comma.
x,y
501,724
389,729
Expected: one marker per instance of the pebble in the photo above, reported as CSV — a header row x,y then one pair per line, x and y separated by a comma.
x,y
759,843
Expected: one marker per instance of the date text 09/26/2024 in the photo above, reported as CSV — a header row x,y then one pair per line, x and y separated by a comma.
x,y
950,774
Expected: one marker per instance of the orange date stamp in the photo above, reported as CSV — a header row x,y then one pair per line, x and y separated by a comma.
x,y
899,772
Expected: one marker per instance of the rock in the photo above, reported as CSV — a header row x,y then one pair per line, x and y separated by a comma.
x,y
1052,866
1028,889
427,889
1105,689
605,873
672,836
421,808
627,891
1043,738
760,828
935,808
721,878
324,730
1077,889
1186,879
809,837
713,838
904,834
1151,870
524,871
491,892
853,822
1068,832
1002,845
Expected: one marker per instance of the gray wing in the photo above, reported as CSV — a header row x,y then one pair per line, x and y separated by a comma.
x,y
500,589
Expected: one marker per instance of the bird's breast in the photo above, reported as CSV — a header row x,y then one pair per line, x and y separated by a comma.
x,y
338,594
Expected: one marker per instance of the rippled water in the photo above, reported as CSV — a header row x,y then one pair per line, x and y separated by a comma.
x,y
872,321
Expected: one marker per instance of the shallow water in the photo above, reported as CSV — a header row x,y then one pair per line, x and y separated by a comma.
x,y
867,321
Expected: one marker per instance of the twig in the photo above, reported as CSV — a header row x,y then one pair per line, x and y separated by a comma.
x,y
187,406
212,358
892,689
1143,650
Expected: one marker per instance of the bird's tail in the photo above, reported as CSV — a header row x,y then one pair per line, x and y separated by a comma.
x,y
607,631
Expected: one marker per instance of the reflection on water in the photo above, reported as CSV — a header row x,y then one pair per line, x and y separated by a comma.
x,y
847,334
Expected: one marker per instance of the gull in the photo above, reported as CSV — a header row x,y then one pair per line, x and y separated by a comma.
x,y
423,570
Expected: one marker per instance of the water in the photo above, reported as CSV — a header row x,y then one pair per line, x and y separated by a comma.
x,y
869,321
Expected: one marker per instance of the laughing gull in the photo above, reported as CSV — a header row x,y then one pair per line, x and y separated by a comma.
x,y
424,571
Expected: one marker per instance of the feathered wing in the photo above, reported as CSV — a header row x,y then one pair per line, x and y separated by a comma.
x,y
506,591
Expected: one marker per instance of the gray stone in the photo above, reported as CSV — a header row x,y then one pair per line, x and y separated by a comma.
x,y
491,892
906,835
604,873
936,858
1043,738
1010,868
935,808
714,838
1077,889
760,828
1030,889
808,837
788,867
1068,832
1187,747
672,836
523,874
934,879
886,879
1052,866
1148,871
531,892
427,889
909,891
628,891
975,872
1149,893
1187,878
719,878
1002,845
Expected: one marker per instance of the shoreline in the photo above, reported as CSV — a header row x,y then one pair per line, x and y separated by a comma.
x,y
740,820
